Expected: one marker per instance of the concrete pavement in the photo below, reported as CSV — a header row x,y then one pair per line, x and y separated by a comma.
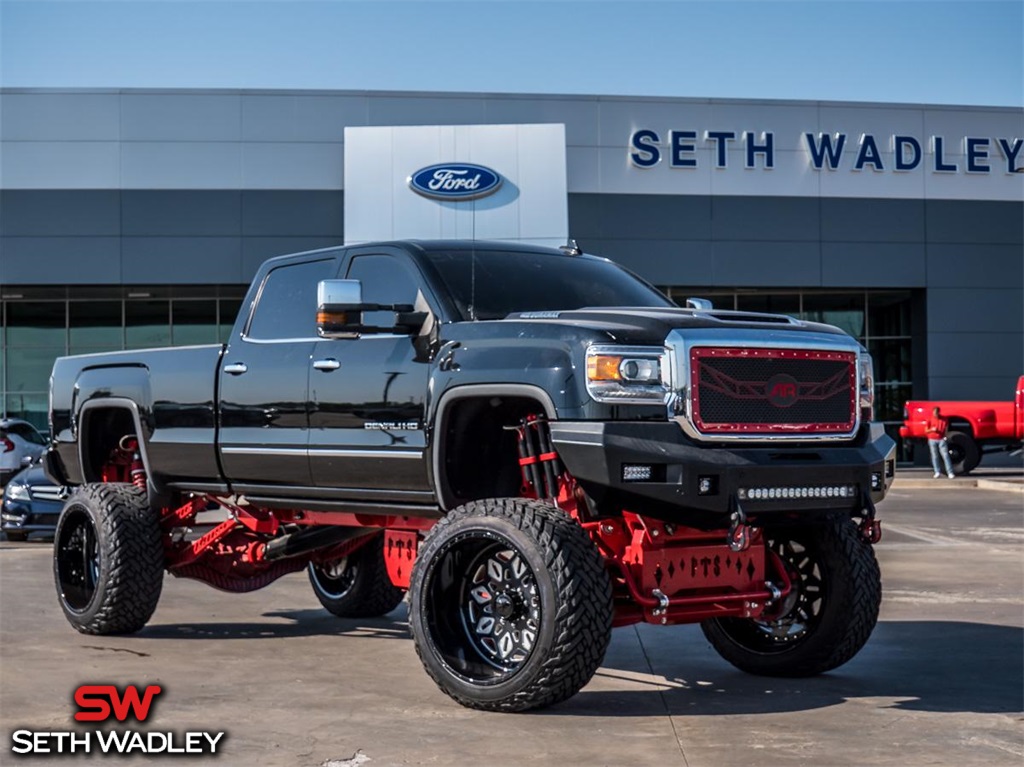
x,y
940,682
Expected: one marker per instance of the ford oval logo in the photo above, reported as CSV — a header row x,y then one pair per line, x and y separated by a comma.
x,y
455,181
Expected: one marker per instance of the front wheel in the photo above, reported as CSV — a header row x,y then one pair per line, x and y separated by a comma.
x,y
511,605
825,619
108,559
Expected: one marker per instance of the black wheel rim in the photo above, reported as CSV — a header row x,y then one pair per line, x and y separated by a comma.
x,y
78,560
334,579
796,617
485,608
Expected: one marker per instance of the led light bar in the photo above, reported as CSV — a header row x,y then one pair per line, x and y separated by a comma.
x,y
796,493
637,472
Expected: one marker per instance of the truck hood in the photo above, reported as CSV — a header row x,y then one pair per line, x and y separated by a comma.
x,y
646,325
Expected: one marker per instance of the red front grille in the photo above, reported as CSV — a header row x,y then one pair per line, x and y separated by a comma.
x,y
773,391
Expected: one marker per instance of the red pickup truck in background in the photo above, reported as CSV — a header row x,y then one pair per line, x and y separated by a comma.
x,y
974,427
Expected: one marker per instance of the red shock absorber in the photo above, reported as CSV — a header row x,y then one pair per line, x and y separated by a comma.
x,y
137,470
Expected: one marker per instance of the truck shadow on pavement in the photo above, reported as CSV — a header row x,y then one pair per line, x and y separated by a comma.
x,y
303,623
932,666
936,666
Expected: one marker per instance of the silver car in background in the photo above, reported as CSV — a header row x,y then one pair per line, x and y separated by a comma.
x,y
20,445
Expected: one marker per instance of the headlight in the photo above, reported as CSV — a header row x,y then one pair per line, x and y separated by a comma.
x,y
627,374
867,385
17,493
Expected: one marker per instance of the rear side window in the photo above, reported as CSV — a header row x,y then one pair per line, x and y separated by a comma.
x,y
286,307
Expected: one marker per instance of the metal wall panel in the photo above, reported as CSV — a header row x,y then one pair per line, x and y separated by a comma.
x,y
78,260
60,165
873,264
978,310
181,260
59,213
860,220
272,117
975,222
181,117
279,165
180,213
60,117
975,266
181,165
300,214
767,264
794,219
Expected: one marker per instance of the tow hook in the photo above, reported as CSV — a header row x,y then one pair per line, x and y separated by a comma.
x,y
739,531
662,607
870,528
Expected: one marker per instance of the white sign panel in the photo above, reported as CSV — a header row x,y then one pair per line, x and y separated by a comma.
x,y
464,182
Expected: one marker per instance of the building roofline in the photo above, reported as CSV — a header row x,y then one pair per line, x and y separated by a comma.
x,y
469,95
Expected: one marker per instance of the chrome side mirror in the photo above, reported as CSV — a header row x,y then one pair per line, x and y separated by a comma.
x,y
339,311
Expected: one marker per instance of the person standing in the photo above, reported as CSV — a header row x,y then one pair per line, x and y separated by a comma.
x,y
935,430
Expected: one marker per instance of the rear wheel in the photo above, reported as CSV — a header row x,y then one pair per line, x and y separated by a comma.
x,y
511,605
108,560
356,586
964,453
825,619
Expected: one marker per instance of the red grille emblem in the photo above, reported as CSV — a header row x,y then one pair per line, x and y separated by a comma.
x,y
781,390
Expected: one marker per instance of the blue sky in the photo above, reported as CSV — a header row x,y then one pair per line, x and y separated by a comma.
x,y
946,52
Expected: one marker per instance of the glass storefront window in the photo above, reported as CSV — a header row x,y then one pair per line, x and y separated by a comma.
x,y
193,322
147,324
229,308
845,310
30,406
40,324
36,323
889,313
892,359
889,401
96,326
29,369
770,304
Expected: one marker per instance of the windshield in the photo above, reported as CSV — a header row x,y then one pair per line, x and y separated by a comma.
x,y
491,284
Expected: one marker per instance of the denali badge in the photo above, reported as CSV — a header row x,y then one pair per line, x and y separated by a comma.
x,y
781,390
455,181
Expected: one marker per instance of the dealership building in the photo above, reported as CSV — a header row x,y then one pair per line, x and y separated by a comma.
x,y
132,218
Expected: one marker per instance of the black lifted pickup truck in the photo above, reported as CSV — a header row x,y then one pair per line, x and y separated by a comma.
x,y
534,443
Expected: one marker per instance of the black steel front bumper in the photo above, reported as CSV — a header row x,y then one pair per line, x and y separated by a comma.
x,y
696,484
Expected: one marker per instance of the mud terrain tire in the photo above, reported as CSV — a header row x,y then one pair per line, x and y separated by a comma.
x,y
108,559
357,586
827,618
511,605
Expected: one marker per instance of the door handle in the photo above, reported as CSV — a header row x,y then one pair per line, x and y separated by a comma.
x,y
327,365
235,368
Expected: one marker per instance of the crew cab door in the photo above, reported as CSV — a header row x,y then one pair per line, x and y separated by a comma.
x,y
367,395
264,379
